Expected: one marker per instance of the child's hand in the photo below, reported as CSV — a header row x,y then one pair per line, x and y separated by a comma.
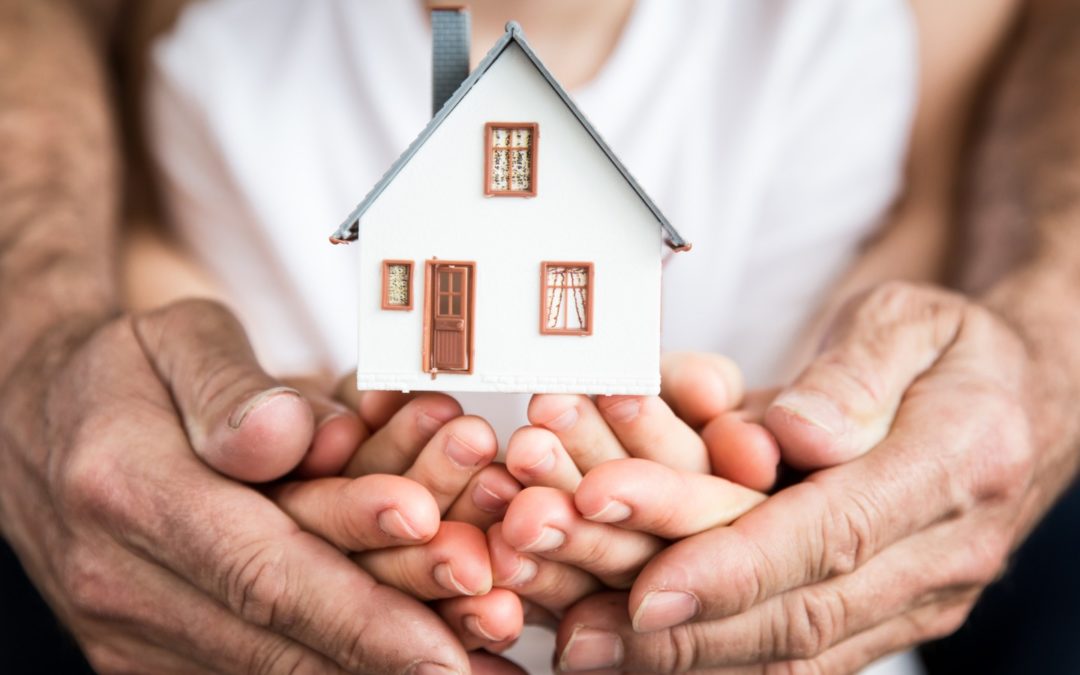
x,y
552,555
420,531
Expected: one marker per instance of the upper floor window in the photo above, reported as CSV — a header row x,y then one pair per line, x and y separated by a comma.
x,y
510,164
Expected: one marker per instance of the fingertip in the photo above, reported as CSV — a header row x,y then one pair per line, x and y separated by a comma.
x,y
264,438
533,512
495,489
471,441
742,452
699,386
557,412
531,452
337,436
408,498
462,561
598,497
433,411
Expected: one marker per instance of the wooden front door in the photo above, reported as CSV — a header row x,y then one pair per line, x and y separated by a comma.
x,y
451,309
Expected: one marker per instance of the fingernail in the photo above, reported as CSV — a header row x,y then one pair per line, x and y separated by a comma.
x,y
427,424
814,409
473,625
624,411
330,417
590,649
444,576
486,500
462,454
549,540
664,609
428,668
564,421
613,512
545,465
257,401
394,524
525,573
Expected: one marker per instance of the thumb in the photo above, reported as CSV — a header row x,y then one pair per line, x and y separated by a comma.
x,y
238,419
845,401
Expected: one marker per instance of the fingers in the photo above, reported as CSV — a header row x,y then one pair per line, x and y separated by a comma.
x,y
238,419
394,447
741,451
535,456
374,407
544,521
554,586
828,525
844,402
596,635
484,500
456,453
490,621
578,425
647,428
649,497
375,511
226,539
338,431
699,386
455,562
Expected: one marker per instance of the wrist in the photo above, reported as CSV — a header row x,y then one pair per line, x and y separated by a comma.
x,y
1033,301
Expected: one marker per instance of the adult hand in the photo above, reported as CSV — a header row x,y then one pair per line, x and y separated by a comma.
x,y
155,561
931,401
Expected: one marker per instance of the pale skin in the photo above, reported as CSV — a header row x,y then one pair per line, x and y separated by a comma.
x,y
63,356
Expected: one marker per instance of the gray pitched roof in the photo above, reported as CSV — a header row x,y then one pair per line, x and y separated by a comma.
x,y
349,229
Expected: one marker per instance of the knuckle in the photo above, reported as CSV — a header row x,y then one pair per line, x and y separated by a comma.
x,y
813,621
682,651
91,480
256,584
91,586
847,536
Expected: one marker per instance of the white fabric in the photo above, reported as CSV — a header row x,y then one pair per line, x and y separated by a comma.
x,y
772,133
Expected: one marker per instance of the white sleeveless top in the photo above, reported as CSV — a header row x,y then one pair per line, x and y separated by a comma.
x,y
772,133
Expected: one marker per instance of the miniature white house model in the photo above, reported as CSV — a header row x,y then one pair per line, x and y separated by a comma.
x,y
507,249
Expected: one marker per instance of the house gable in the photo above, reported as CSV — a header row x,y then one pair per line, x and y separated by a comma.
x,y
512,43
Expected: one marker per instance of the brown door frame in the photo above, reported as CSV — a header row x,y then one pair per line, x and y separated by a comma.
x,y
426,355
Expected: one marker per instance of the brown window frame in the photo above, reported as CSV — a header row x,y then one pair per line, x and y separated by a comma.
x,y
386,264
589,284
534,157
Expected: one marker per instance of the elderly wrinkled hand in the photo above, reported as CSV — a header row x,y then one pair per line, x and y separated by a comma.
x,y
126,520
922,398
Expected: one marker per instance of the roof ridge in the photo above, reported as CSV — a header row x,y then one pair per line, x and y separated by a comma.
x,y
349,228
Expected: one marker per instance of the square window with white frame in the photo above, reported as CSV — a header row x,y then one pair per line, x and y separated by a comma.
x,y
566,298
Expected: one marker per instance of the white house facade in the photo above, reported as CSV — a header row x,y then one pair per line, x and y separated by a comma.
x,y
508,250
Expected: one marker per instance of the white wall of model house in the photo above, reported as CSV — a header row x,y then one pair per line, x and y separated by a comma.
x,y
584,210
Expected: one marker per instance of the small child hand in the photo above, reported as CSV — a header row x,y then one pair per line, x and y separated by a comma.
x,y
420,531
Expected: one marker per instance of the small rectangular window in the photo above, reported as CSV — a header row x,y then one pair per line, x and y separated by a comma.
x,y
566,298
397,284
510,164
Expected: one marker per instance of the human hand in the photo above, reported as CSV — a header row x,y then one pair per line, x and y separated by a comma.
x,y
929,400
551,554
153,560
424,471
